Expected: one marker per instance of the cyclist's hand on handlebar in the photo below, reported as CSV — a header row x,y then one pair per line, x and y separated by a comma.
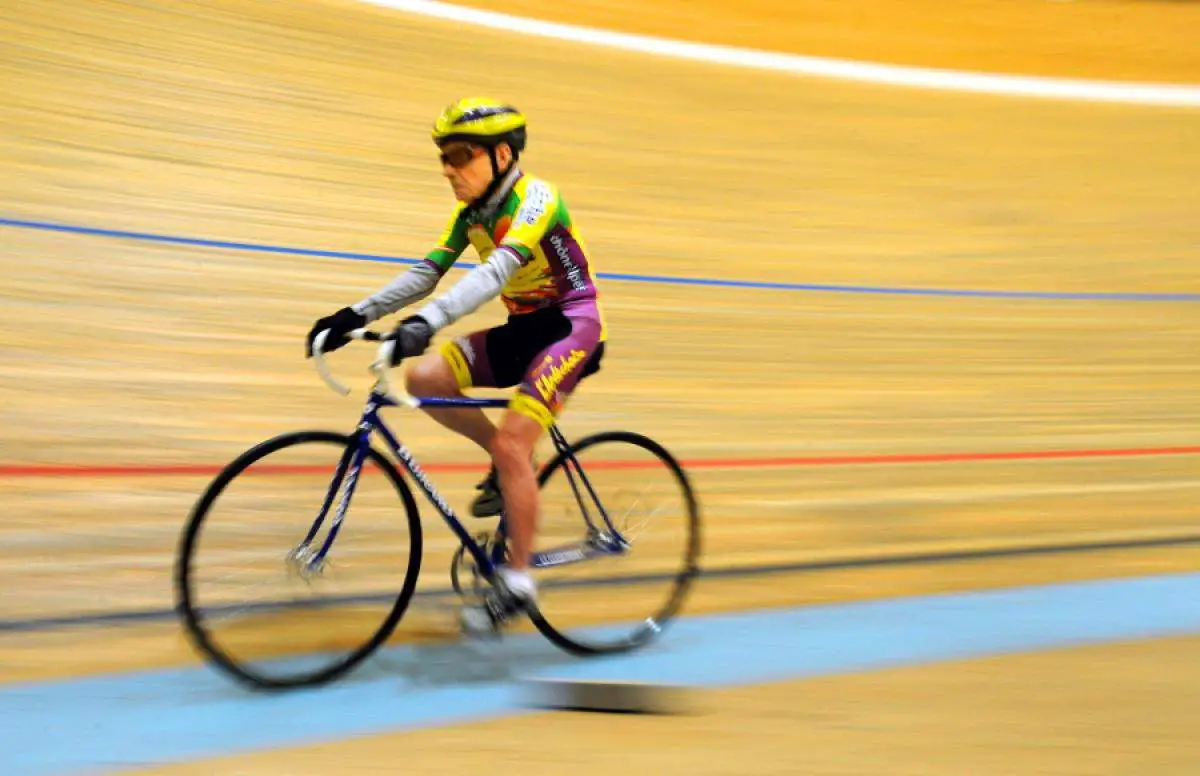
x,y
339,324
412,336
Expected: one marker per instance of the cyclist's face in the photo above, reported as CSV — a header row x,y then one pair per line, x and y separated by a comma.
x,y
469,169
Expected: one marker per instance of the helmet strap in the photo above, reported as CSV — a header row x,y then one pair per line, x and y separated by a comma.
x,y
499,181
495,165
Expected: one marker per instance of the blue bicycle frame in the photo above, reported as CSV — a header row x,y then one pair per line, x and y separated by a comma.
x,y
600,541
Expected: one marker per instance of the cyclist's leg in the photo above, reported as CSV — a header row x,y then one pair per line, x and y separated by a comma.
x,y
567,354
549,380
458,364
489,358
512,451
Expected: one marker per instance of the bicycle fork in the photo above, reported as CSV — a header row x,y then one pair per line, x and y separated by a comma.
x,y
305,560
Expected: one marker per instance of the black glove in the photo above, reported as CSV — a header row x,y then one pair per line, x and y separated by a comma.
x,y
411,336
339,324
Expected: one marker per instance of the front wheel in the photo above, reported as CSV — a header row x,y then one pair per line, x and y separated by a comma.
x,y
623,502
255,593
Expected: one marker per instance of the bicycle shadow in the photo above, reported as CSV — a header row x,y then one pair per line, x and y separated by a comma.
x,y
465,661
434,653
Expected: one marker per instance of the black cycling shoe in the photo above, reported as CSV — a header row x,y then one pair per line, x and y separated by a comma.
x,y
489,502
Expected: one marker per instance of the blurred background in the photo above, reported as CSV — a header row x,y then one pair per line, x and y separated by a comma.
x,y
905,341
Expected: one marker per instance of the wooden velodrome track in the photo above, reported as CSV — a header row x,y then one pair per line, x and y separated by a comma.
x,y
305,125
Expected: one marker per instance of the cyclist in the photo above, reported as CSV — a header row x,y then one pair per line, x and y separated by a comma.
x,y
533,257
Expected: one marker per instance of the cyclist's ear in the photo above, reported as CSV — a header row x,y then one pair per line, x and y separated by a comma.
x,y
504,156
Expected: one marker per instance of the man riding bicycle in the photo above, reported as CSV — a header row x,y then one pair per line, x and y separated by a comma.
x,y
533,257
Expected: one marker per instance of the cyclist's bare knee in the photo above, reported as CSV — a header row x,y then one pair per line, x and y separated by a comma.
x,y
431,376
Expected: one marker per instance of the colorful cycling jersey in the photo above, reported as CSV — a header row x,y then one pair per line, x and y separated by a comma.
x,y
533,222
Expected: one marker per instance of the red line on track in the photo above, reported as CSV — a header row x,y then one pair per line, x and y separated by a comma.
x,y
209,470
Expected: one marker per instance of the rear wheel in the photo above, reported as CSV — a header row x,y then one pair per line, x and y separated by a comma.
x,y
611,487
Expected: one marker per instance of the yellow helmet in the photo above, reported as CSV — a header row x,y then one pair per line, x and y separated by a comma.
x,y
481,120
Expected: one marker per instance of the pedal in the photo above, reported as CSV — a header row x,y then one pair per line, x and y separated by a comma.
x,y
475,622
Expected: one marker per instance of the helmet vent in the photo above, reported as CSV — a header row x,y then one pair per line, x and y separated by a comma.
x,y
476,114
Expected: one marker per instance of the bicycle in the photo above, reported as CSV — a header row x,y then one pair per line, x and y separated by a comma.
x,y
603,534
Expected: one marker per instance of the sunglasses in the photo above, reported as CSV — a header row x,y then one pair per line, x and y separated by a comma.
x,y
460,156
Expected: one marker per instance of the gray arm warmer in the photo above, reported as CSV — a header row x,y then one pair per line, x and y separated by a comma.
x,y
480,284
411,286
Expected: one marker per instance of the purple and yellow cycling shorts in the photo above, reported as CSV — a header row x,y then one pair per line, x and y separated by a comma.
x,y
545,353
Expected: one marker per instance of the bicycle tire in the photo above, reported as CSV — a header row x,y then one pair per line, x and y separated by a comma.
x,y
681,582
193,622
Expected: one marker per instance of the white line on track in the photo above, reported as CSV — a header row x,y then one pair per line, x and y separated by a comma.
x,y
890,75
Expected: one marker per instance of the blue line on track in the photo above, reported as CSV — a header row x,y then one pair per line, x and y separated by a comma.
x,y
151,717
637,278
